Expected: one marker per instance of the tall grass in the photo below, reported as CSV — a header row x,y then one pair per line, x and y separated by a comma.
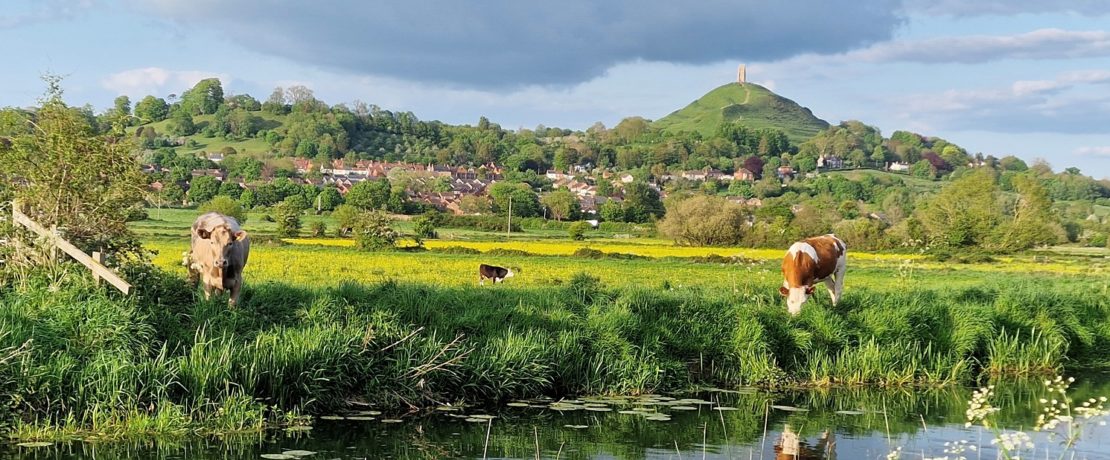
x,y
81,359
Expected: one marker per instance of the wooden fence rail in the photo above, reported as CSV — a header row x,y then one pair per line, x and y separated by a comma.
x,y
92,262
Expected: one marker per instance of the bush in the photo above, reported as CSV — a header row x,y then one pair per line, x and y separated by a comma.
x,y
705,221
226,206
318,229
288,219
578,229
457,250
423,227
483,223
373,231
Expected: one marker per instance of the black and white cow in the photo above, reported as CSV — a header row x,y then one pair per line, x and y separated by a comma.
x,y
497,274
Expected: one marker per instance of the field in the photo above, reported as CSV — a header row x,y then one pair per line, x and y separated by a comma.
x,y
322,324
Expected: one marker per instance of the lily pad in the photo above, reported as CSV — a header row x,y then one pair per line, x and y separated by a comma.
x,y
278,457
629,412
448,408
683,408
483,416
299,453
658,418
518,404
299,428
790,408
599,409
849,412
577,427
331,417
35,444
724,408
477,420
360,418
391,420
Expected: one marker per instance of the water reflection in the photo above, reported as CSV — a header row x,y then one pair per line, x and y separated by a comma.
x,y
793,447
848,423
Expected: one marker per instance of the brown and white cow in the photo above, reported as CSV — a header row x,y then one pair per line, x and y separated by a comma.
x,y
821,258
497,274
218,254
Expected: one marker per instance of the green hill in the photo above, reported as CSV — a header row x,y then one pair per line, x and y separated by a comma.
x,y
749,103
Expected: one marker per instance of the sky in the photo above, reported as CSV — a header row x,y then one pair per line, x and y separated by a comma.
x,y
1029,78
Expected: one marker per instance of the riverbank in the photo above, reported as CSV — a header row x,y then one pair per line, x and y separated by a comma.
x,y
75,360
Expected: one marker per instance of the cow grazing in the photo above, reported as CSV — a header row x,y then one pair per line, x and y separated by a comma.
x,y
821,258
497,274
218,254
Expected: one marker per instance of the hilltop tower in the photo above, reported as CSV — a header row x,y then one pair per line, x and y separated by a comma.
x,y
741,74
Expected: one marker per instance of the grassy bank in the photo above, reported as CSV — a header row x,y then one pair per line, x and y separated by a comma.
x,y
73,358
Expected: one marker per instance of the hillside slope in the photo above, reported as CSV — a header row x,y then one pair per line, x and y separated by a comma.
x,y
748,103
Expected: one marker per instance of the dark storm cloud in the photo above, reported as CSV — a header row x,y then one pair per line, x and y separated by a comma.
x,y
506,43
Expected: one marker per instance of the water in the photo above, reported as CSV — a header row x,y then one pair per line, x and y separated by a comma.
x,y
843,423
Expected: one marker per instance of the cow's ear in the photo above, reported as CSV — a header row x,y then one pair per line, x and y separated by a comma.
x,y
239,235
809,290
203,234
784,291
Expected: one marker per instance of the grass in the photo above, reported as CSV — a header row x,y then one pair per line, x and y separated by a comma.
x,y
755,106
164,362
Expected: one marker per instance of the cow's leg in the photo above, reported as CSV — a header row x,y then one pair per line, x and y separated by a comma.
x,y
233,293
836,283
207,290
481,281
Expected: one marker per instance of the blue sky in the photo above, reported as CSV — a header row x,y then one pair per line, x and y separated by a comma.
x,y
1024,77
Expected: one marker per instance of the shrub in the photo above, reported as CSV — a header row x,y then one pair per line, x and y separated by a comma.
x,y
578,229
226,206
318,229
423,227
288,219
374,231
704,220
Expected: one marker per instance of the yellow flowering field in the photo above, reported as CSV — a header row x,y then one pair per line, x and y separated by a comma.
x,y
327,262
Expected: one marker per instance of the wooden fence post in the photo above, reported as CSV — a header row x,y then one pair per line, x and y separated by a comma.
x,y
98,258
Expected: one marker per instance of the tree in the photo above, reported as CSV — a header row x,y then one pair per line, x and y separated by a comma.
x,y
577,230
369,194
524,201
641,203
423,228
345,216
203,98
226,206
122,106
475,204
1034,222
288,218
275,104
561,204
964,212
704,220
373,231
328,199
203,188
318,229
181,124
86,183
231,189
152,109
173,193
878,156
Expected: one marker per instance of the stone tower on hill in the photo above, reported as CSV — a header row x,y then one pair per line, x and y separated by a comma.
x,y
741,74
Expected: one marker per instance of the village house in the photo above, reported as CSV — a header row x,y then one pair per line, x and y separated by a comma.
x,y
830,162
784,171
743,174
898,167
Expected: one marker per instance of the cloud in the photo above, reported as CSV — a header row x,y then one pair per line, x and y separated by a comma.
x,y
976,49
1099,151
508,43
156,80
961,8
1067,104
22,14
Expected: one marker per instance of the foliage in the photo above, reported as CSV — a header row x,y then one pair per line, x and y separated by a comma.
x,y
203,189
68,175
369,194
704,221
424,227
287,214
524,201
577,230
318,229
226,206
373,231
963,213
561,204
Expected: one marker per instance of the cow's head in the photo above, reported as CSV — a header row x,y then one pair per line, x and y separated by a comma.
x,y
795,296
220,240
509,273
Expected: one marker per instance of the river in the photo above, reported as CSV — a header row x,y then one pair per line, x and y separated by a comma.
x,y
845,423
